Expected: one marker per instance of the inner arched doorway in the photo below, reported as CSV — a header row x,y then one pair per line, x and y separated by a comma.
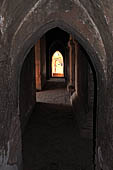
x,y
57,65
81,68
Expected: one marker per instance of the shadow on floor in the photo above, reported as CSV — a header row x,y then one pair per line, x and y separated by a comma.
x,y
52,141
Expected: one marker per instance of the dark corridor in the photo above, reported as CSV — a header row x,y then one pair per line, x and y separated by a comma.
x,y
57,113
52,138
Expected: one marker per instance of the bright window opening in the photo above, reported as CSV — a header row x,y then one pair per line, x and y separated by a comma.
x,y
57,65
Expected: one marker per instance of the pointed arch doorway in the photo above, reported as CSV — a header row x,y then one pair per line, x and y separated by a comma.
x,y
31,36
57,65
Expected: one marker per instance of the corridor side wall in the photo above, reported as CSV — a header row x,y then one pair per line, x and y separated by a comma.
x,y
43,61
27,89
82,81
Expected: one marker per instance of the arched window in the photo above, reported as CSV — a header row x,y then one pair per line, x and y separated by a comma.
x,y
57,65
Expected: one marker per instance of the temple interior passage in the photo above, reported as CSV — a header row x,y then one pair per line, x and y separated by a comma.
x,y
57,96
52,140
56,85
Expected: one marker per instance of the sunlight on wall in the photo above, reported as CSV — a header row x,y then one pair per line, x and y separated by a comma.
x,y
57,65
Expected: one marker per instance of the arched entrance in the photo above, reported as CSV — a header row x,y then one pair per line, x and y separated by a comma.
x,y
95,128
59,44
30,38
80,66
95,99
57,65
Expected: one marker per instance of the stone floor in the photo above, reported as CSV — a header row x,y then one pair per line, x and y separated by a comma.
x,y
55,92
52,140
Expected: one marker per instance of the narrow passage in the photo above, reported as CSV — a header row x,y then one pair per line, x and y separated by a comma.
x,y
52,140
